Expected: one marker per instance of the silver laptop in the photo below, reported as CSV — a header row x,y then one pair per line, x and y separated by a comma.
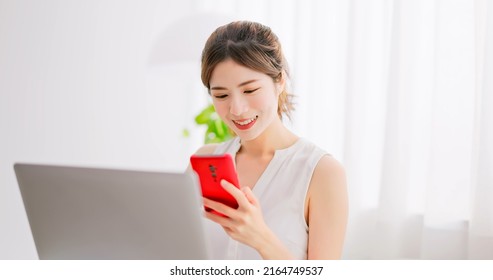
x,y
90,213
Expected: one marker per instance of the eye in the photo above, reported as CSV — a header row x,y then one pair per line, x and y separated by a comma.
x,y
251,91
221,96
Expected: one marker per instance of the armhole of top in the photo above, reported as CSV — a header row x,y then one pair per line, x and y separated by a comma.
x,y
312,171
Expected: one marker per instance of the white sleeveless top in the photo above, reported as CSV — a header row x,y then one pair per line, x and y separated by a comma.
x,y
281,191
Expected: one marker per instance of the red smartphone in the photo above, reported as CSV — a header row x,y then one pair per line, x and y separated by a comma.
x,y
211,169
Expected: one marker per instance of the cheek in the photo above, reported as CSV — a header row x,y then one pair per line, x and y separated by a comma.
x,y
221,108
264,102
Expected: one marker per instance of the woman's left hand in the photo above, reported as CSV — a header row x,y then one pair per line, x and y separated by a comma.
x,y
244,224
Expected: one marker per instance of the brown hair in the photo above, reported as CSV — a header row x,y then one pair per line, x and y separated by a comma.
x,y
252,45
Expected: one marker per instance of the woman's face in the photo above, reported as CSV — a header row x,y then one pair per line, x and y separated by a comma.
x,y
246,100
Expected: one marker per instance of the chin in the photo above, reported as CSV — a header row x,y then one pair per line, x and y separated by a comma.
x,y
247,135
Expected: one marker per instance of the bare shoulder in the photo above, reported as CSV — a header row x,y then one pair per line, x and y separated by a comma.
x,y
327,209
329,172
328,182
206,149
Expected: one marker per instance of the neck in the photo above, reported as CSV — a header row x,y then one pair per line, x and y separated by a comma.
x,y
275,137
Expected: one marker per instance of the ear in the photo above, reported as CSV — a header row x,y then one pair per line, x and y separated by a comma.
x,y
281,84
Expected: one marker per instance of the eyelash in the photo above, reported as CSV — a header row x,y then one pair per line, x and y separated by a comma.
x,y
246,91
250,91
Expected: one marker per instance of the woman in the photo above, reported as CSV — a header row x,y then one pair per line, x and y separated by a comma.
x,y
292,196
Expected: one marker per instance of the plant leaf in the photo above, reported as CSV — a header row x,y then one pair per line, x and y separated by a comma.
x,y
205,115
217,130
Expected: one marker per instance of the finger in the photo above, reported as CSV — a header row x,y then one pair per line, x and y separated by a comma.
x,y
218,206
235,192
222,221
249,195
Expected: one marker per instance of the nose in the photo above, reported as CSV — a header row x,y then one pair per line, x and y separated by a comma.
x,y
238,105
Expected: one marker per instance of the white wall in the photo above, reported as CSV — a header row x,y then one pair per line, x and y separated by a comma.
x,y
93,83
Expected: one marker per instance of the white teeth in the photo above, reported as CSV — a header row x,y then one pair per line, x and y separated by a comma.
x,y
246,122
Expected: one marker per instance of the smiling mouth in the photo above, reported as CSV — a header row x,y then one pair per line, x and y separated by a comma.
x,y
245,123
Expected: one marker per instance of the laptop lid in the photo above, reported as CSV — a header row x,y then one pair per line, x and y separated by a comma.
x,y
91,213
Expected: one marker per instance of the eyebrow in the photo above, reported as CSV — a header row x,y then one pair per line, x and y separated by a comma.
x,y
240,85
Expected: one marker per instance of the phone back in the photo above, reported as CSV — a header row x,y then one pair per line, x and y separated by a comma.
x,y
211,169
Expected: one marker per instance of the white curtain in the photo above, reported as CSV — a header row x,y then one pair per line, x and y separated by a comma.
x,y
401,93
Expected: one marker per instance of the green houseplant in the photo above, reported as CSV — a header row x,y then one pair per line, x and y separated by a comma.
x,y
217,131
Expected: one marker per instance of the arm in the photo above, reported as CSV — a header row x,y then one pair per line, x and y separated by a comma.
x,y
327,216
327,210
246,224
